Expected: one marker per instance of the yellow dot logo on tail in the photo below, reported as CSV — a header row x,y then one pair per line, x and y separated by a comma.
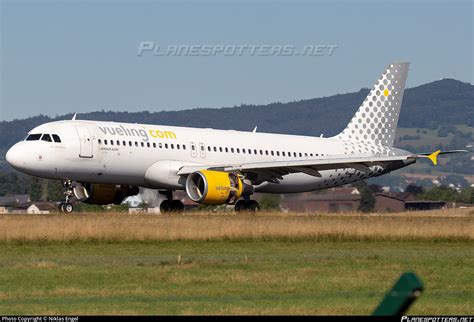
x,y
386,92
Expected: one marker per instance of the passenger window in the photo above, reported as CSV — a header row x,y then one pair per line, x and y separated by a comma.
x,y
56,138
243,151
227,150
192,146
124,143
98,141
33,137
278,153
215,149
254,151
46,137
220,149
118,142
154,144
160,145
105,142
166,146
130,143
306,154
136,143
261,152
238,150
148,144
294,154
172,145
301,155
177,146
209,148
271,152
232,150
184,146
250,151
142,144
266,152
283,153
202,147
111,142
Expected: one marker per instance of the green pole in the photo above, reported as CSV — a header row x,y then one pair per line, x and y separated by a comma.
x,y
405,291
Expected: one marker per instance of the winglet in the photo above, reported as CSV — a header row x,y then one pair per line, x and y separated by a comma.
x,y
434,157
74,117
254,130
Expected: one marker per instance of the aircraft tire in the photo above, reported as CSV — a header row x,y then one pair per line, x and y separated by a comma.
x,y
252,206
177,206
240,205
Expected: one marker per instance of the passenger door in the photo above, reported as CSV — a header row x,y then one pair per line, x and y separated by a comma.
x,y
85,141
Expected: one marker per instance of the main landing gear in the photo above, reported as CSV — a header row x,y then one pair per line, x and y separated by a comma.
x,y
247,205
170,205
65,206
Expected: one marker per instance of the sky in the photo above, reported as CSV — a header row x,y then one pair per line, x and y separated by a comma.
x,y
67,56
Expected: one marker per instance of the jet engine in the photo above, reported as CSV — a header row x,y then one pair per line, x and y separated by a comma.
x,y
210,187
103,194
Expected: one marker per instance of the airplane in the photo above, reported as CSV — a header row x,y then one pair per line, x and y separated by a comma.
x,y
105,162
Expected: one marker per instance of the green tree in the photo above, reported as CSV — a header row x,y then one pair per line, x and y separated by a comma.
x,y
367,199
270,201
441,193
35,190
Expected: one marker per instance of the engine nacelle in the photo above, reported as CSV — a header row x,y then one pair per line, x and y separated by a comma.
x,y
103,194
210,187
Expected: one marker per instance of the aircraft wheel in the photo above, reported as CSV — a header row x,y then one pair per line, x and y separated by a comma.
x,y
68,208
240,205
165,206
177,206
253,206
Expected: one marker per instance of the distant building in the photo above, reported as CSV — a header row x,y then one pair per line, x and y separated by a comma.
x,y
35,208
11,200
333,200
404,201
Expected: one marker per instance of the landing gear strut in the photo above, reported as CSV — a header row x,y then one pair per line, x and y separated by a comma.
x,y
247,205
170,205
65,205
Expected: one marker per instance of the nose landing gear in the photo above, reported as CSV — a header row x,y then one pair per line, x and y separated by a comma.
x,y
65,206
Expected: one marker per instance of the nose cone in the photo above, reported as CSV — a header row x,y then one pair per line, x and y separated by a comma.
x,y
15,157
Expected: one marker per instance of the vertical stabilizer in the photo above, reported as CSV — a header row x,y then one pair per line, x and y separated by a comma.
x,y
376,119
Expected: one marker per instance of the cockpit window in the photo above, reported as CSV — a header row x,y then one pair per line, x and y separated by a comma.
x,y
56,138
33,137
46,137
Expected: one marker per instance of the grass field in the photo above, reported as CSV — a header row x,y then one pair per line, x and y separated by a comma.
x,y
228,264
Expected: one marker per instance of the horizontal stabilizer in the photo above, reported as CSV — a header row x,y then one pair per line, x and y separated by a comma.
x,y
434,156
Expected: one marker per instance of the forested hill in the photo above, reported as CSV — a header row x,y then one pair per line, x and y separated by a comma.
x,y
440,103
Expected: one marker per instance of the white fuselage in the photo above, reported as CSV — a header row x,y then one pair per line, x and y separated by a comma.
x,y
150,155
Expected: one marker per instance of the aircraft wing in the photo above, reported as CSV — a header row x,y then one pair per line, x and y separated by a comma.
x,y
274,170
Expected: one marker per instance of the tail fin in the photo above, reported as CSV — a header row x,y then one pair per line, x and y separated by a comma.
x,y
376,119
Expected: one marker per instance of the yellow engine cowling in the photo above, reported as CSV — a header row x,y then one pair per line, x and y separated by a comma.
x,y
103,194
210,187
